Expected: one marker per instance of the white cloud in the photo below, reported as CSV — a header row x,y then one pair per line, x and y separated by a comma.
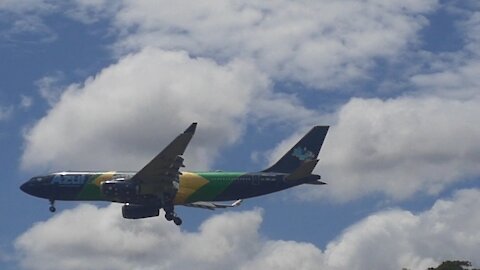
x,y
5,112
422,141
113,242
23,20
455,75
319,43
50,87
132,109
91,11
386,240
25,101
286,255
398,238
399,147
322,43
27,6
121,117
126,114
454,82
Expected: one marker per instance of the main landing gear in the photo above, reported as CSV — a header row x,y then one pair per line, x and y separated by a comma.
x,y
52,206
171,215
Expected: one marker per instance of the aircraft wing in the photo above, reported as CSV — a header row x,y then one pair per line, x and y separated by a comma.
x,y
161,173
212,205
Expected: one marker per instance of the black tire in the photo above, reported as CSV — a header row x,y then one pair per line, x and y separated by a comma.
x,y
177,221
52,209
169,216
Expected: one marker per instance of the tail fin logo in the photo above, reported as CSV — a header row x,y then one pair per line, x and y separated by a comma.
x,y
303,154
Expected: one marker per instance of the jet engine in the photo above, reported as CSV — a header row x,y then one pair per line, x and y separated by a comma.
x,y
132,211
120,190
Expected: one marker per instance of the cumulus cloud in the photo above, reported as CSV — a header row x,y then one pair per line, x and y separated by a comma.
x,y
400,146
387,240
405,145
249,44
126,114
319,43
454,75
399,238
422,141
129,111
113,242
454,82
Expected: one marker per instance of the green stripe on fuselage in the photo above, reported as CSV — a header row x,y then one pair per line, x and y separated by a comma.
x,y
90,191
217,183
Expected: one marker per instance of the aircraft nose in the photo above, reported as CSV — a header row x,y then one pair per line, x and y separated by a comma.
x,y
27,188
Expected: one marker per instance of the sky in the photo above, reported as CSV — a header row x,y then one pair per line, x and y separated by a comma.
x,y
105,85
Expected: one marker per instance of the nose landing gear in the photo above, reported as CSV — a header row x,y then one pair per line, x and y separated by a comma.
x,y
52,206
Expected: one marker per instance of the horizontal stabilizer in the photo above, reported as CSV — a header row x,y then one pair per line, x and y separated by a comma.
x,y
316,182
213,206
303,171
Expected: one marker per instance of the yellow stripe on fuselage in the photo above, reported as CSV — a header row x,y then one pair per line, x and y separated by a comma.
x,y
103,177
189,184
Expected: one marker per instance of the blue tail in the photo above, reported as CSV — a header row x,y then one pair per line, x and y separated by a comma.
x,y
306,149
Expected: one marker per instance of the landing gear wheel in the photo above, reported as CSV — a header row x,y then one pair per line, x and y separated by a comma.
x,y
169,216
170,212
177,221
52,207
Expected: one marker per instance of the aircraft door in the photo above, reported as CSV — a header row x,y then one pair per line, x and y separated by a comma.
x,y
256,180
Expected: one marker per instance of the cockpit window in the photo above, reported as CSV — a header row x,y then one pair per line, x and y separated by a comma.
x,y
39,179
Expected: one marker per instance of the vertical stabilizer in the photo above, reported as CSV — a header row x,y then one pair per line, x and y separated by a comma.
x,y
305,150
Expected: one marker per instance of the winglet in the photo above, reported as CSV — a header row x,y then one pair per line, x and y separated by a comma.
x,y
191,128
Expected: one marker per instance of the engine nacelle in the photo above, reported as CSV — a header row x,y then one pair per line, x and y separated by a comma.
x,y
132,211
120,190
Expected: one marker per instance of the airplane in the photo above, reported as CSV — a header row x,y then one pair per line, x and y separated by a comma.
x,y
161,185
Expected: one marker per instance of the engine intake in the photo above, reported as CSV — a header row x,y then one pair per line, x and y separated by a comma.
x,y
132,211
